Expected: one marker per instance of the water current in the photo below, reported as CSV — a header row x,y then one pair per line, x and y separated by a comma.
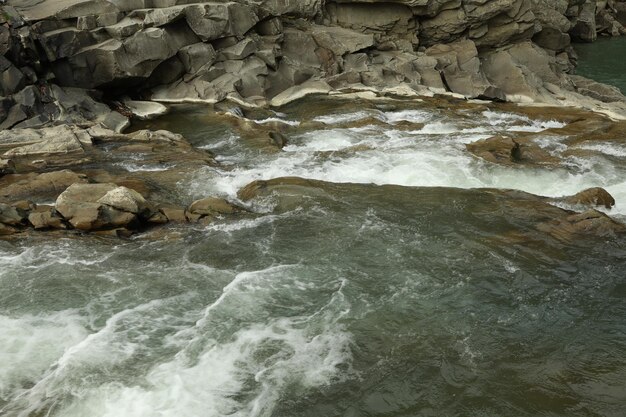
x,y
400,298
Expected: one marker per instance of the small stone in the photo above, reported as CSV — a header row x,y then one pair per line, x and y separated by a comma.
x,y
278,139
7,166
46,220
211,206
9,215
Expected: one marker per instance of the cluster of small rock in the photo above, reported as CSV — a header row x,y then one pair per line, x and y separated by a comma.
x,y
107,208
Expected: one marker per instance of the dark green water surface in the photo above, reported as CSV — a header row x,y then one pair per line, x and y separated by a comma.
x,y
604,61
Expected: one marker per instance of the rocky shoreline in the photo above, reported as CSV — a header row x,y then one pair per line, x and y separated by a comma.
x,y
76,72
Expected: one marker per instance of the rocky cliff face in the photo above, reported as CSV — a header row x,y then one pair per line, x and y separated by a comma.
x,y
267,52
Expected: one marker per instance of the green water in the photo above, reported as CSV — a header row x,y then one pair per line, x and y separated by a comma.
x,y
346,300
604,61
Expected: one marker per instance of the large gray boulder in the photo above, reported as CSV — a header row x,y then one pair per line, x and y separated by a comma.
x,y
52,140
459,65
100,206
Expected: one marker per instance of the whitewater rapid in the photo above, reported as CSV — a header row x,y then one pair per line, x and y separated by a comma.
x,y
433,155
344,307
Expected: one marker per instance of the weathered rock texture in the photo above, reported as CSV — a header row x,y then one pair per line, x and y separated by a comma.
x,y
269,52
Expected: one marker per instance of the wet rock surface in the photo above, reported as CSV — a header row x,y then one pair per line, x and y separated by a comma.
x,y
530,217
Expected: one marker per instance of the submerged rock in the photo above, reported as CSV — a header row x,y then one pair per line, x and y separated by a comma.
x,y
523,217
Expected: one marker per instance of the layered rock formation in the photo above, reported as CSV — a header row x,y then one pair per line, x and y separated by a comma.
x,y
72,73
268,52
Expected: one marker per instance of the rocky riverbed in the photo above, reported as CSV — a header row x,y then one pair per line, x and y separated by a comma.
x,y
280,208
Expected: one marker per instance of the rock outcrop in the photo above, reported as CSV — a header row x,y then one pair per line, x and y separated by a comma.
x,y
270,52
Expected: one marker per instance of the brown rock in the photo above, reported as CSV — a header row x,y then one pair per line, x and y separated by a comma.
x,y
596,196
212,206
7,167
98,206
39,186
7,230
158,218
261,187
46,220
575,226
9,215
174,214
506,151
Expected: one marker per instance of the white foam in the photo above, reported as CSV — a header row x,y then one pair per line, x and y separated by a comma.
x,y
332,119
31,344
236,360
431,156
277,120
131,167
607,148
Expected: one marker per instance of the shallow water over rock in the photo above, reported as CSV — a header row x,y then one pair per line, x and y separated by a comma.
x,y
382,293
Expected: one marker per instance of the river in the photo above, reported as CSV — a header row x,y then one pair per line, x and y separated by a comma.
x,y
603,60
392,293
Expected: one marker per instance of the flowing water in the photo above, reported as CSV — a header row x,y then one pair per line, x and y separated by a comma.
x,y
387,294
603,61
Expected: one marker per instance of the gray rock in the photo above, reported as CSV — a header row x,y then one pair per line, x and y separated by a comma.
x,y
53,140
584,28
196,56
10,216
219,20
596,90
459,64
11,79
145,110
79,205
124,199
7,166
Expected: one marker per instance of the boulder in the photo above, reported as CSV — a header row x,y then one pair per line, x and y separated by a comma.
x,y
51,145
598,91
212,206
46,220
507,151
299,91
131,59
124,199
459,65
591,197
196,56
98,206
589,223
12,79
11,216
341,41
584,28
219,20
